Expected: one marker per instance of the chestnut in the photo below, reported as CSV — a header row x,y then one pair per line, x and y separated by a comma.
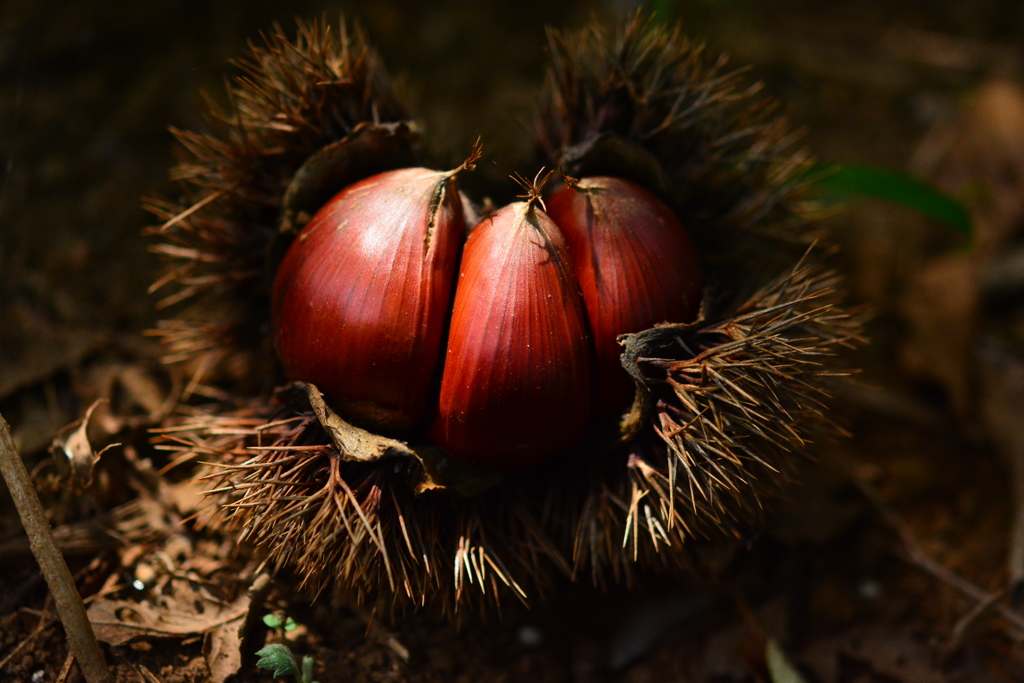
x,y
636,266
515,390
361,300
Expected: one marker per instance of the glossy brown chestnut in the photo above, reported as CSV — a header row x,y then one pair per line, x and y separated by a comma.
x,y
516,385
361,300
636,266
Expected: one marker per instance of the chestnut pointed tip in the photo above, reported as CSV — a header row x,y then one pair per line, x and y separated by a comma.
x,y
475,155
533,188
568,179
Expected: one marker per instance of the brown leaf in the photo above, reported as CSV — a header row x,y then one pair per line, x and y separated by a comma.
x,y
892,654
437,468
185,496
73,455
941,310
119,621
143,388
222,648
226,646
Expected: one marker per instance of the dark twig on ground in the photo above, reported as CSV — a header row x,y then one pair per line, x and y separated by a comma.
x,y
65,670
55,570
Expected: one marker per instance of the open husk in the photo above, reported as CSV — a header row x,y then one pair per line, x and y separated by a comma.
x,y
726,406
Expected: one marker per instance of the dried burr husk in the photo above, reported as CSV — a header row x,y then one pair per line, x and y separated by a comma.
x,y
306,117
725,406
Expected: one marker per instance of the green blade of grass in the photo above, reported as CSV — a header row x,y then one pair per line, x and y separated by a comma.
x,y
858,180
780,669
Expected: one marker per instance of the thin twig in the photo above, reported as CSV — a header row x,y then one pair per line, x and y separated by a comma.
x,y
144,674
55,570
963,626
381,634
147,675
65,670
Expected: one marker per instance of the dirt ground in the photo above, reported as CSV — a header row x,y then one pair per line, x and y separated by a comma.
x,y
899,557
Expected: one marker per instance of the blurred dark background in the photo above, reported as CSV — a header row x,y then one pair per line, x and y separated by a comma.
x,y
928,88
88,90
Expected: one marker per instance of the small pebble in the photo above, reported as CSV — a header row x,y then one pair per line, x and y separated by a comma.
x,y
144,572
869,589
529,635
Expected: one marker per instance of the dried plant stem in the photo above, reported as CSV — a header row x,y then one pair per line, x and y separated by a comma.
x,y
51,562
65,670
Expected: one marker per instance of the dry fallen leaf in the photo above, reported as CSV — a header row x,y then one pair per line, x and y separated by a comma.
x,y
119,621
73,455
226,646
941,309
890,653
185,609
222,648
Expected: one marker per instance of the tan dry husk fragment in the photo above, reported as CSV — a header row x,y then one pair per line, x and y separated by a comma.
x,y
727,405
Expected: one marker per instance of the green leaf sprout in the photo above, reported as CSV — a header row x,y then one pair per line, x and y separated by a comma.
x,y
279,621
280,660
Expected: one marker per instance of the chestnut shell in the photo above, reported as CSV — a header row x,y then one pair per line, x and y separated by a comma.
x,y
516,385
636,266
361,299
